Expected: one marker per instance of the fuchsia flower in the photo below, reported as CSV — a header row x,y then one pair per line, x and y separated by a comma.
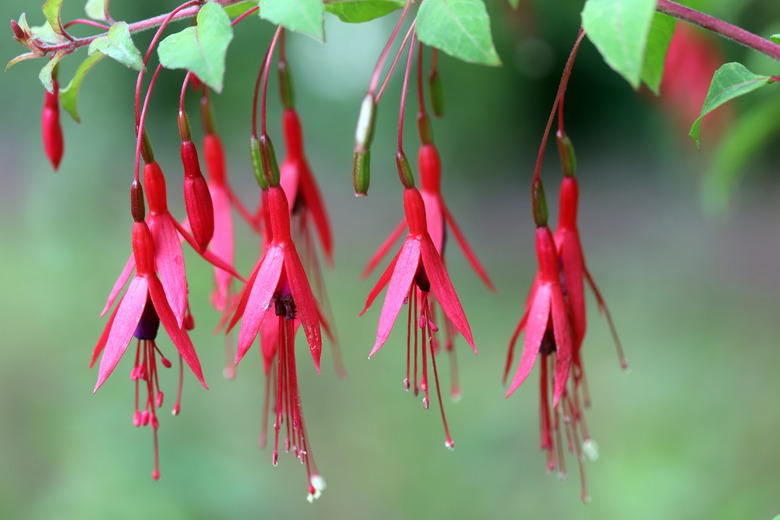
x,y
274,301
50,125
416,272
139,313
197,200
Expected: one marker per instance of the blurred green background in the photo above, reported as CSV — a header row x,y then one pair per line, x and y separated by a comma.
x,y
690,432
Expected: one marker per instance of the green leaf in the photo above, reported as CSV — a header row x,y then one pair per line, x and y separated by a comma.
x,y
236,10
69,94
357,11
730,81
51,10
46,34
97,9
751,132
776,39
305,16
22,57
619,29
46,71
461,28
661,32
201,49
118,44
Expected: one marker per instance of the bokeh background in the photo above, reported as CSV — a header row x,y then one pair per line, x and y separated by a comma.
x,y
690,432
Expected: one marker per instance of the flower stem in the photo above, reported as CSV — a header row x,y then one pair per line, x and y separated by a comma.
x,y
720,27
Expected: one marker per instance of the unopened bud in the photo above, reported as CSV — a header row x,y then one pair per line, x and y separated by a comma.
x,y
200,210
436,93
364,133
137,208
566,150
404,169
268,161
51,130
257,162
361,172
538,203
18,32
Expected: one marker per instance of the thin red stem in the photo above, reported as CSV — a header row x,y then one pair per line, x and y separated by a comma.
x,y
386,50
720,27
395,62
141,120
249,12
420,96
82,21
184,90
403,94
558,96
266,66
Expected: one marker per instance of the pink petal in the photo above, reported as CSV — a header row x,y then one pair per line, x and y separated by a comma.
x,y
434,217
245,214
206,254
408,260
384,248
178,336
260,296
313,198
467,251
603,308
125,322
245,295
570,254
222,243
442,288
101,344
305,304
563,342
290,178
380,284
170,263
120,282
511,351
538,316
269,338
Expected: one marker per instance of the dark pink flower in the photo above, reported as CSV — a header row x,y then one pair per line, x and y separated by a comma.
x,y
50,125
414,274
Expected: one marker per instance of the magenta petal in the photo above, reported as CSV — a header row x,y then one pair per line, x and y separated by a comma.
x,y
170,263
511,351
120,282
563,343
313,198
221,243
290,177
384,248
408,260
178,335
101,344
434,218
381,283
128,315
442,288
467,251
260,296
570,255
241,307
538,316
305,304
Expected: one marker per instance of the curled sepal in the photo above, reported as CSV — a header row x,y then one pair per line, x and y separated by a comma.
x,y
197,198
566,150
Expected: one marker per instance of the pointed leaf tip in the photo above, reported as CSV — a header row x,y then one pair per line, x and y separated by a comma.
x,y
304,16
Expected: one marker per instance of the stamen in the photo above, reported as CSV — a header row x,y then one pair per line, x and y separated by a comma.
x,y
177,406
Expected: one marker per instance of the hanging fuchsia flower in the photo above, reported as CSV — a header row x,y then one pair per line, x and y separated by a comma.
x,y
139,312
197,200
50,125
414,274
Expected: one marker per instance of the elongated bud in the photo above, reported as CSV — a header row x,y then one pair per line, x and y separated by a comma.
x,y
137,208
197,199
257,162
364,134
539,203
51,130
404,169
424,128
18,32
146,148
566,150
361,172
184,126
286,91
268,161
436,92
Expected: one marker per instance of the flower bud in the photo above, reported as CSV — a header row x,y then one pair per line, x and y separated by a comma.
x,y
404,169
538,203
50,126
361,172
137,209
197,199
566,150
268,161
257,162
436,93
18,32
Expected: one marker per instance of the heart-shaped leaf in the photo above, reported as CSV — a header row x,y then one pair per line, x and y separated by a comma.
x,y
118,44
45,74
619,29
461,28
358,11
730,81
51,10
200,49
97,9
69,94
305,16
658,39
